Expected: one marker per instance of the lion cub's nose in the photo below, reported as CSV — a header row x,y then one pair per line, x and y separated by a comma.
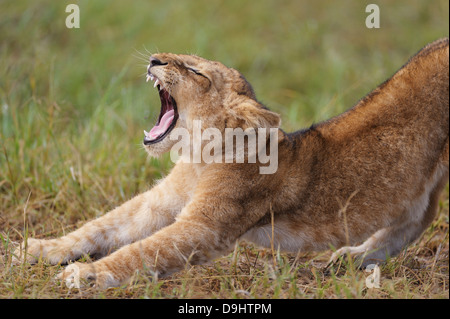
x,y
155,61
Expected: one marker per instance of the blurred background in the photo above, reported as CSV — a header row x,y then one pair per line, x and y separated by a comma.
x,y
74,102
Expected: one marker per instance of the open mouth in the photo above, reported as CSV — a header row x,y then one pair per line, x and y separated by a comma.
x,y
167,117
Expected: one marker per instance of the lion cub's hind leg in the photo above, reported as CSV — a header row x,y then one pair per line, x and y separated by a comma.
x,y
390,241
384,243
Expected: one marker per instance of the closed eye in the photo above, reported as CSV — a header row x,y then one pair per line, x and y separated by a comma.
x,y
194,71
197,72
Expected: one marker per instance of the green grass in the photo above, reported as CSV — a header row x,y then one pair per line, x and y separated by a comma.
x,y
74,102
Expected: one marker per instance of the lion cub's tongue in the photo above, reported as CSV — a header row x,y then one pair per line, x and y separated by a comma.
x,y
163,125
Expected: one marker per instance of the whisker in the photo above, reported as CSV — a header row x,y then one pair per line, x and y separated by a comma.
x,y
141,58
142,54
146,50
156,49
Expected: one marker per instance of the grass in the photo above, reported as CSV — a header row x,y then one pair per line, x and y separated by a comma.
x,y
73,104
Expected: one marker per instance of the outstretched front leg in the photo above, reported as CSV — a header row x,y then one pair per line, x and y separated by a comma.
x,y
136,219
205,229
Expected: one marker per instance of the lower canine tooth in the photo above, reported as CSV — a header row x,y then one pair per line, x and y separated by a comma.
x,y
156,83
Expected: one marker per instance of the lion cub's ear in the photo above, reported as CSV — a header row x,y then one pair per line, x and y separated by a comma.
x,y
256,115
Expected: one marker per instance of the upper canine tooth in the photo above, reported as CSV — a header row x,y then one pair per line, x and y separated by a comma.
x,y
156,83
148,78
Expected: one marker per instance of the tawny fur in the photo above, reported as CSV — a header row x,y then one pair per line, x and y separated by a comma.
x,y
370,177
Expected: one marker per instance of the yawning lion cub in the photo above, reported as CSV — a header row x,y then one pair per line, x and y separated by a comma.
x,y
371,176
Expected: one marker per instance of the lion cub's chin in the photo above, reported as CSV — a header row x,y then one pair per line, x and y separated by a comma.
x,y
159,148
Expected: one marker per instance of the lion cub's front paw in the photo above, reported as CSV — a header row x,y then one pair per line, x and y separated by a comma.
x,y
79,275
49,250
30,252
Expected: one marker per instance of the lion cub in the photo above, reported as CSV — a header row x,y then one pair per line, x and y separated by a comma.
x,y
370,177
